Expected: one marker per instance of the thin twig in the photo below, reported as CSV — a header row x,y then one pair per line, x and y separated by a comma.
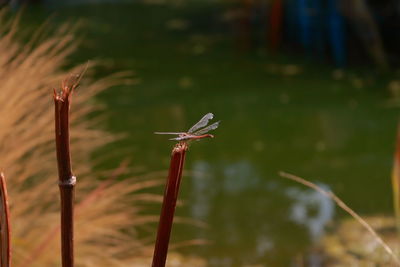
x,y
346,208
5,246
169,204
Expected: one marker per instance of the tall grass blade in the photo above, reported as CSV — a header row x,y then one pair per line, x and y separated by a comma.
x,y
396,180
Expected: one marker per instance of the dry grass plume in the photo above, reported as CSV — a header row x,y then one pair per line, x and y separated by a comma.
x,y
105,210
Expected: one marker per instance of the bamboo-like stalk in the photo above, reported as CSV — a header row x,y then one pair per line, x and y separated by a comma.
x,y
5,246
169,204
66,180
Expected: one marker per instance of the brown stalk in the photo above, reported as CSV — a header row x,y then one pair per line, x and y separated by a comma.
x,y
169,204
5,246
66,180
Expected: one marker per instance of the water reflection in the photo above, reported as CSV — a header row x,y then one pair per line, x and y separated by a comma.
x,y
233,178
203,190
311,209
233,196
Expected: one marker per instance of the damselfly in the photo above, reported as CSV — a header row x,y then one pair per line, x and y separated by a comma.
x,y
198,131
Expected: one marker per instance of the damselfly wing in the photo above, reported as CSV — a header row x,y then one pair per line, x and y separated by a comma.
x,y
197,131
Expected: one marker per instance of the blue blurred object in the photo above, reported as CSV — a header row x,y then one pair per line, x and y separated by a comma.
x,y
317,27
311,25
337,34
304,24
320,26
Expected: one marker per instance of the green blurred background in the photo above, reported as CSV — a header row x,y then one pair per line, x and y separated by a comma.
x,y
282,108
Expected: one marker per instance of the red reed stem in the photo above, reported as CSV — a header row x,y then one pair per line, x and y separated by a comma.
x,y
5,245
66,180
169,204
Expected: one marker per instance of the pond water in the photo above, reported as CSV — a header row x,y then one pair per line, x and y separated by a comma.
x,y
277,114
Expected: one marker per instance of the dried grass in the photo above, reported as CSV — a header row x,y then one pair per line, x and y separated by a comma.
x,y
105,215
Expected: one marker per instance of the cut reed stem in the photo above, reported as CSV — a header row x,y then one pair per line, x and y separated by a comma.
x,y
66,180
169,204
4,224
